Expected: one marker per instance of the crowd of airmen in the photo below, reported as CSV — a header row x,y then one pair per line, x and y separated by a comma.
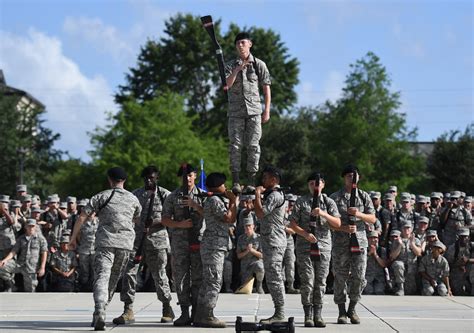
x,y
200,244
412,245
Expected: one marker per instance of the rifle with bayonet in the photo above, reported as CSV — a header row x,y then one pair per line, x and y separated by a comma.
x,y
354,243
148,223
314,221
193,235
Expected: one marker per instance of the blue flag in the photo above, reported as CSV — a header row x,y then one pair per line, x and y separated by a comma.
x,y
202,178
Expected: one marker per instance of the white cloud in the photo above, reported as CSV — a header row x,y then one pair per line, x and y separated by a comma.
x,y
333,86
331,89
122,44
408,45
105,38
75,103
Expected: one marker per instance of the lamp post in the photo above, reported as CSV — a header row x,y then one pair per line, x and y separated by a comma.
x,y
21,152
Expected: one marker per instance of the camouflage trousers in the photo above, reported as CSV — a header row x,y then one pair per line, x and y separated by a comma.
x,y
212,270
428,290
86,268
7,273
228,268
375,284
313,275
405,273
458,280
471,280
156,260
187,272
349,273
244,132
109,265
289,259
273,262
247,270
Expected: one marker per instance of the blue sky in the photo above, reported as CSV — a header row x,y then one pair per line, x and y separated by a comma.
x,y
73,54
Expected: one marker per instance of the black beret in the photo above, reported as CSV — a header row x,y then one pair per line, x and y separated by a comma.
x,y
242,35
315,175
349,168
274,171
215,179
188,168
117,173
148,170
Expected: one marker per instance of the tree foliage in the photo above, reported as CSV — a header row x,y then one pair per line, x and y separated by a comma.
x,y
183,62
451,163
156,132
362,127
25,138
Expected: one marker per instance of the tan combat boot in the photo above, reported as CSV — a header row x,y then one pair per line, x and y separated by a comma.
x,y
318,318
278,316
308,316
342,318
127,317
210,320
184,319
167,314
351,313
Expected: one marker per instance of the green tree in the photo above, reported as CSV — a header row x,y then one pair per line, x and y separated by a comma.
x,y
25,140
361,127
155,132
77,178
286,142
450,165
183,62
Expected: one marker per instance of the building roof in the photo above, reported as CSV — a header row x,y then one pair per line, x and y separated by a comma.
x,y
10,91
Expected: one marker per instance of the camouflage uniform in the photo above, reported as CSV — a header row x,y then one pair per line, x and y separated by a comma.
x,y
64,261
28,250
57,228
437,269
7,237
228,263
459,272
187,266
245,109
273,237
155,247
214,248
242,217
114,240
289,258
405,267
313,274
375,274
349,269
86,251
402,216
250,264
457,218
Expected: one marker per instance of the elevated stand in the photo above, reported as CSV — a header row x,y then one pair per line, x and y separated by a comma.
x,y
283,327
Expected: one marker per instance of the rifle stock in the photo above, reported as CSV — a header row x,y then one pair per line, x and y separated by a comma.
x,y
209,26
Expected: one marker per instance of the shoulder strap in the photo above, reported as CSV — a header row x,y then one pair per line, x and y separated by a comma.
x,y
255,68
160,195
325,200
106,202
362,196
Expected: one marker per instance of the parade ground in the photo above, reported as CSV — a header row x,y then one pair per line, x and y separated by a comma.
x,y
55,312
